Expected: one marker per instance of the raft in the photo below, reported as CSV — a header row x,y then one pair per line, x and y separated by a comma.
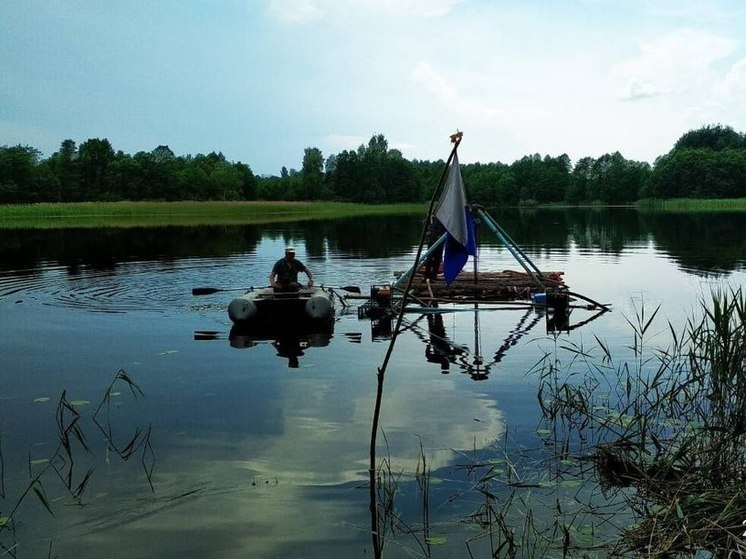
x,y
267,307
508,285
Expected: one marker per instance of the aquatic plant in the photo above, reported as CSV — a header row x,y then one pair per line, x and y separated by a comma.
x,y
640,454
64,462
666,432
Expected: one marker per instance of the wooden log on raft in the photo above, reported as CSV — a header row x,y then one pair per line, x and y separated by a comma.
x,y
489,286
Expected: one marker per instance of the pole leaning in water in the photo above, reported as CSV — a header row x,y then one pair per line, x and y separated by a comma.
x,y
375,533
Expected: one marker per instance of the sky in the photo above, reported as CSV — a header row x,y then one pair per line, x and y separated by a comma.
x,y
262,80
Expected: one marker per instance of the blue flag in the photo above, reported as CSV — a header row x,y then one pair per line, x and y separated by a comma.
x,y
455,216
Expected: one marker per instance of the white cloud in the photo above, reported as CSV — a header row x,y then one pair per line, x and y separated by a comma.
x,y
674,63
639,90
427,8
689,10
432,80
488,108
735,80
295,11
302,11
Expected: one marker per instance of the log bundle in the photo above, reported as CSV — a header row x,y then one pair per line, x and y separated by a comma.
x,y
507,285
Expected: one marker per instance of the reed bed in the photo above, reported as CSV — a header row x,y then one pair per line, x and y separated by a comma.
x,y
640,455
140,214
666,431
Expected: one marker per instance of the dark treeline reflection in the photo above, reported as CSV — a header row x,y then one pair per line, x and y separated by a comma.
x,y
104,248
699,242
702,242
607,229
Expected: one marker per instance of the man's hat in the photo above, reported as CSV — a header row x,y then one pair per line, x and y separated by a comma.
x,y
290,249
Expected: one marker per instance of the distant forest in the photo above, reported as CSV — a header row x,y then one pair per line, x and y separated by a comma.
x,y
706,163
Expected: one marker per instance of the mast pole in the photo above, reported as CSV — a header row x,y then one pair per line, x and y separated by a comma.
x,y
375,528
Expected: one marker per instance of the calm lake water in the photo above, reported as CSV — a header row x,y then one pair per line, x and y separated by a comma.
x,y
259,448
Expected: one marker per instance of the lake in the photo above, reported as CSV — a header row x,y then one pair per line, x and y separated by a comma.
x,y
128,410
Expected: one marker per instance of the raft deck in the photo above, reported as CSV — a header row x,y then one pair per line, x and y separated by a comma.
x,y
508,285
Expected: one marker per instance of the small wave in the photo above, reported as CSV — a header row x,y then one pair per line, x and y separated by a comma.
x,y
150,286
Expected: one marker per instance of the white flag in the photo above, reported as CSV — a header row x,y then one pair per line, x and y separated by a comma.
x,y
450,207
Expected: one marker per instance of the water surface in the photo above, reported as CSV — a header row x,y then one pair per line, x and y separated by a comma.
x,y
260,447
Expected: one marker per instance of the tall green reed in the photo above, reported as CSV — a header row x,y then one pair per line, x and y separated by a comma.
x,y
666,430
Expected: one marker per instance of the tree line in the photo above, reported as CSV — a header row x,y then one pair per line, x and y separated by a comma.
x,y
709,162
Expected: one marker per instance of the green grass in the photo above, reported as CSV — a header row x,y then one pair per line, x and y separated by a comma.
x,y
140,214
694,205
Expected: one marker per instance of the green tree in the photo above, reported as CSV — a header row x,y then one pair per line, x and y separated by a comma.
x,y
226,182
542,180
715,137
312,175
580,181
427,174
64,166
699,173
491,184
248,181
18,174
399,178
94,157
192,181
346,180
374,175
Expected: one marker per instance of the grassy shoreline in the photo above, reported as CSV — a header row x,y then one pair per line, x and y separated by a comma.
x,y
693,205
143,214
190,213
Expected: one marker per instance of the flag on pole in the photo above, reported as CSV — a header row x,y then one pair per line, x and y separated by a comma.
x,y
455,216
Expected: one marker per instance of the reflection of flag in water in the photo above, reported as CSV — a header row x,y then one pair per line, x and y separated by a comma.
x,y
452,212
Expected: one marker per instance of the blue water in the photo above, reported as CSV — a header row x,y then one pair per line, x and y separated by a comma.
x,y
253,457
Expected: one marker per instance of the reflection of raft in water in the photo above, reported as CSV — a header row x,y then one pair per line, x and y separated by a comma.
x,y
266,307
290,342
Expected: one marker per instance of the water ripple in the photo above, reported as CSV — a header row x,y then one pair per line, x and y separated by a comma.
x,y
155,286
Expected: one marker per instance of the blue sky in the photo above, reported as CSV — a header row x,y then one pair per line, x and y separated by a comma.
x,y
261,80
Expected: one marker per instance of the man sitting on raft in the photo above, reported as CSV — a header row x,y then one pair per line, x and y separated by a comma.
x,y
284,276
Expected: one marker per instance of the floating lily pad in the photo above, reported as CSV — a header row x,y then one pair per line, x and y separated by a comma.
x,y
4,520
436,540
77,403
39,461
42,399
586,534
169,351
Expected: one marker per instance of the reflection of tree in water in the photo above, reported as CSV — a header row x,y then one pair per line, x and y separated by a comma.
x,y
105,248
702,242
699,241
374,236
